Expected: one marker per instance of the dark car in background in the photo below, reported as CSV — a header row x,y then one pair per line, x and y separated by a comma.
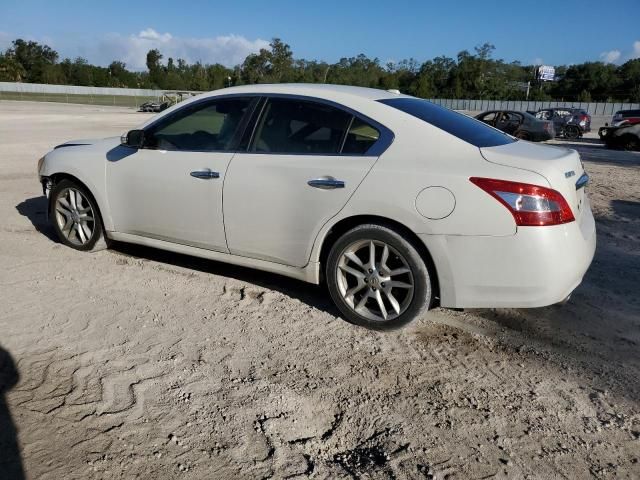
x,y
154,107
522,125
568,122
624,137
625,117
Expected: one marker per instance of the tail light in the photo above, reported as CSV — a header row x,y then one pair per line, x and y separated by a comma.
x,y
530,205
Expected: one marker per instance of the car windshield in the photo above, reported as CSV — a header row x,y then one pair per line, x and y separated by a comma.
x,y
465,128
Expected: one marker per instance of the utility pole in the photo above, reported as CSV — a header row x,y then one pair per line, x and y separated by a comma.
x,y
326,72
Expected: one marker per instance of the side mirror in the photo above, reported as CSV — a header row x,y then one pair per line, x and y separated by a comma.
x,y
133,139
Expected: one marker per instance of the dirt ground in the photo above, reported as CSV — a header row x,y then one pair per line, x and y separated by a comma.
x,y
134,363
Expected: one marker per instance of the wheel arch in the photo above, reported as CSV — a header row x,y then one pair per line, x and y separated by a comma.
x,y
60,176
345,224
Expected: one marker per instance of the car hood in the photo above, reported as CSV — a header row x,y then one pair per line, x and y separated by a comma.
x,y
561,167
109,142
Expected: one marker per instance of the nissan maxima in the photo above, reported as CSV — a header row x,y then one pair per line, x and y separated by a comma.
x,y
397,204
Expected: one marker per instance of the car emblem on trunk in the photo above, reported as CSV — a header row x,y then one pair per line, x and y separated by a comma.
x,y
569,174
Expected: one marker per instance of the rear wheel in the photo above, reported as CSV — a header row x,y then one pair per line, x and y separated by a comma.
x,y
631,143
378,279
75,216
522,135
571,132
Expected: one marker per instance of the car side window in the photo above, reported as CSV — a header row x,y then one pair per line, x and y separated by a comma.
x,y
360,137
301,127
207,127
489,117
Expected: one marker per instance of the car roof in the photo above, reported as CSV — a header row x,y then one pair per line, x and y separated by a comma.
x,y
321,90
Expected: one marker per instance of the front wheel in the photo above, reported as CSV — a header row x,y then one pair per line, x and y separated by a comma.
x,y
377,278
75,216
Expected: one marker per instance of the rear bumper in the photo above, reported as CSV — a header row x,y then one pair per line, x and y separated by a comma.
x,y
544,136
536,267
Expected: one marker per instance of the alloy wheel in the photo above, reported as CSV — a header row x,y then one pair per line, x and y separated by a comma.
x,y
74,216
375,280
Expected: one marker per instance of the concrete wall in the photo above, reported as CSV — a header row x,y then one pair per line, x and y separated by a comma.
x,y
77,90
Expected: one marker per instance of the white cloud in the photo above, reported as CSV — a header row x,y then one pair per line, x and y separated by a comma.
x,y
618,56
611,56
228,50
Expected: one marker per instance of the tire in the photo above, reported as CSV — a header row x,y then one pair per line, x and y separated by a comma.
x,y
75,217
630,143
357,290
571,132
522,135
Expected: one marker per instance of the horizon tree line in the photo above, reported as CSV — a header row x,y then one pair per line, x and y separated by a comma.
x,y
476,74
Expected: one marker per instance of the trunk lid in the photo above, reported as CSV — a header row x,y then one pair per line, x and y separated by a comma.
x,y
561,167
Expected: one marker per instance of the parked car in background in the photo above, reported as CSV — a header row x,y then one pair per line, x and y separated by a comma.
x,y
519,124
568,122
154,107
625,117
396,203
625,137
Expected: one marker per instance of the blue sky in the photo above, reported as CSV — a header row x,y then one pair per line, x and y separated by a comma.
x,y
549,31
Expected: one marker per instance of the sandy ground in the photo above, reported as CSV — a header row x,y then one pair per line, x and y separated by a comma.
x,y
132,362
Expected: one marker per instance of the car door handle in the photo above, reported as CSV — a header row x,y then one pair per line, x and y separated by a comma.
x,y
326,183
205,174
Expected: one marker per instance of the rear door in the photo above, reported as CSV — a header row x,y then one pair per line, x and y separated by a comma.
x,y
510,122
304,161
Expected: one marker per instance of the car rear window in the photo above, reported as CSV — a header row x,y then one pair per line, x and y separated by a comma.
x,y
465,128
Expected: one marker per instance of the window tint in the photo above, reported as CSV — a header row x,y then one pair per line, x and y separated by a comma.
x,y
465,128
360,138
295,126
206,127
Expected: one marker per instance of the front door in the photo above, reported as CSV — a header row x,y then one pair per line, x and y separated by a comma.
x,y
304,163
171,189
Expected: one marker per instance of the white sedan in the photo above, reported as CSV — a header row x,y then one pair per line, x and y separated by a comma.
x,y
396,203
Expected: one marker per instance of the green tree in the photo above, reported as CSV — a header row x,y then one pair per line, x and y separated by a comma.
x,y
11,70
33,57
